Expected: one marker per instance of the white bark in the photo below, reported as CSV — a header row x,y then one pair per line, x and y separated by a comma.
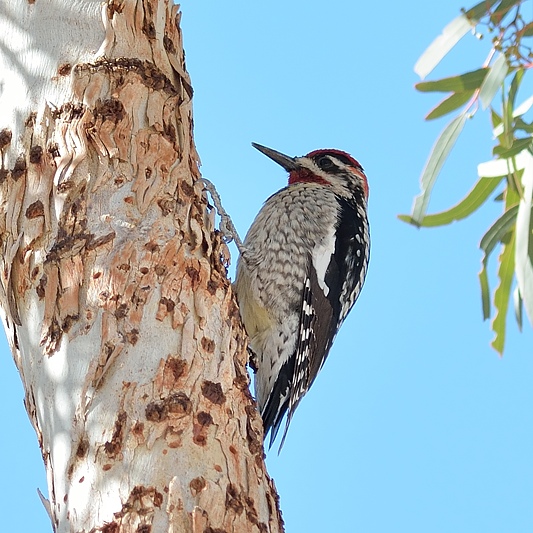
x,y
115,298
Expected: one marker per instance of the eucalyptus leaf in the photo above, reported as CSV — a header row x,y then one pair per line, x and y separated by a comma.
x,y
493,81
497,232
485,290
449,104
503,8
472,201
524,241
527,30
468,81
508,108
450,36
479,10
524,126
515,84
437,157
502,294
522,109
408,219
495,118
519,145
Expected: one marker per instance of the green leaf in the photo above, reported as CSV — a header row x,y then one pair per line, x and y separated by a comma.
x,y
408,219
437,157
518,146
522,109
524,126
479,10
495,235
499,13
493,81
495,118
502,293
477,196
524,240
515,84
497,232
527,30
464,82
449,104
508,109
485,290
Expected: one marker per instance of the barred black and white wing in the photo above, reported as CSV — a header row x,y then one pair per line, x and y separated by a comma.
x,y
335,276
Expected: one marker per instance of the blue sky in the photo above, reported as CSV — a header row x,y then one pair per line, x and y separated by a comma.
x,y
415,424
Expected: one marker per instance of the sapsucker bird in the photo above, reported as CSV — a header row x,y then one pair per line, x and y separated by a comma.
x,y
303,265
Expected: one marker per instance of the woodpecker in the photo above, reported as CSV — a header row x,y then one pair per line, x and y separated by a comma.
x,y
302,266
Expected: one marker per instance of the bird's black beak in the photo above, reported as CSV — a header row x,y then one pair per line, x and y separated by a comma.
x,y
288,163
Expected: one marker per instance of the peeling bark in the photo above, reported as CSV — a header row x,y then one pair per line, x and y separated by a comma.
x,y
113,283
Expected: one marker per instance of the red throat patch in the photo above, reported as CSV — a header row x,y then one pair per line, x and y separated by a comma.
x,y
304,175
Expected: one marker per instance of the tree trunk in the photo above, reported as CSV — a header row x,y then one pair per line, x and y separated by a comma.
x,y
114,292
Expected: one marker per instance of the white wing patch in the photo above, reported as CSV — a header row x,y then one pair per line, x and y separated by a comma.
x,y
322,257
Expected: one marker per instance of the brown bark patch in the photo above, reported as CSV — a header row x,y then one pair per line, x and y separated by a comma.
x,y
208,345
169,45
197,485
40,289
64,69
5,137
82,449
36,154
53,150
188,190
111,109
234,499
213,392
113,447
176,367
30,121
179,404
160,270
156,412
168,303
200,428
254,435
138,430
212,287
52,337
35,210
132,336
166,205
100,241
150,75
112,527
114,6
19,169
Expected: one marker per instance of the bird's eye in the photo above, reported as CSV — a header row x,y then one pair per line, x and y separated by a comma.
x,y
325,163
